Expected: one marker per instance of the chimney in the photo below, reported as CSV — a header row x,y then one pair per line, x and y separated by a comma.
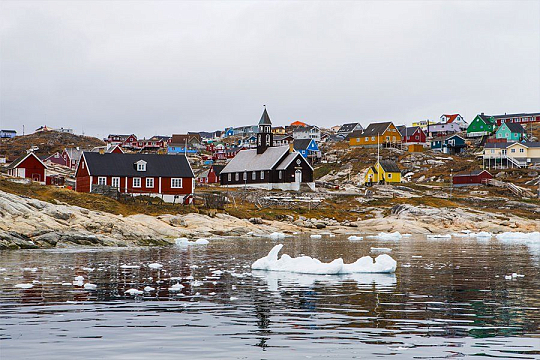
x,y
482,114
291,147
101,151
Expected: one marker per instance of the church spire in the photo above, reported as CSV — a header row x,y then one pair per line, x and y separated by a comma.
x,y
264,136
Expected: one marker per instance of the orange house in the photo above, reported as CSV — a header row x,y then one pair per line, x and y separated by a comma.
x,y
385,134
298,123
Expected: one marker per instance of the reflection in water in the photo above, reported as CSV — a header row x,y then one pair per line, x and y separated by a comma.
x,y
448,298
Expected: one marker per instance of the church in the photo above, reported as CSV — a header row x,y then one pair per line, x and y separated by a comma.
x,y
268,167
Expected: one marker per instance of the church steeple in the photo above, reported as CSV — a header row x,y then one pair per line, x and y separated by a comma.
x,y
264,136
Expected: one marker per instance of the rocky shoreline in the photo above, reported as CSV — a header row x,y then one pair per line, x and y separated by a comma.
x,y
27,223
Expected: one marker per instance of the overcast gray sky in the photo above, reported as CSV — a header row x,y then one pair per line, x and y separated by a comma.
x,y
169,67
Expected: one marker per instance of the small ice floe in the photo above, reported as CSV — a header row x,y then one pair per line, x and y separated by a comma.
x,y
133,292
196,283
232,298
380,249
315,236
508,277
186,242
125,266
416,256
66,284
439,236
308,265
89,286
277,236
24,286
355,238
2,269
176,287
513,276
189,277
212,293
88,269
217,272
30,269
519,236
148,289
79,281
155,266
481,234
387,236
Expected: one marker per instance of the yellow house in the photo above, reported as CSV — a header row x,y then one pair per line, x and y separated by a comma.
x,y
384,171
385,134
525,153
278,130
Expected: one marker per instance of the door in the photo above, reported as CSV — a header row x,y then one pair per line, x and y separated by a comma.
x,y
298,176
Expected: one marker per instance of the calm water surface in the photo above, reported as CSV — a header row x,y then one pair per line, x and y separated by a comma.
x,y
448,299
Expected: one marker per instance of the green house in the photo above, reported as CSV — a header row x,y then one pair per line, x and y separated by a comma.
x,y
481,125
511,132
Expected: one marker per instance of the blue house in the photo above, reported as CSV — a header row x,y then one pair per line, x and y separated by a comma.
x,y
453,144
308,148
7,134
511,132
180,149
228,132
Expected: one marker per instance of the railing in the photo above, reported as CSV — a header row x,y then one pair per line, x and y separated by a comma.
x,y
516,161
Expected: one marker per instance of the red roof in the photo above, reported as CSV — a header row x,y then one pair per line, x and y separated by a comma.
x,y
298,123
451,118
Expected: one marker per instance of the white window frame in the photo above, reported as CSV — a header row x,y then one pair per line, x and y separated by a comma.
x,y
149,182
244,176
229,176
521,150
102,180
280,174
174,183
262,175
136,181
236,176
115,179
254,175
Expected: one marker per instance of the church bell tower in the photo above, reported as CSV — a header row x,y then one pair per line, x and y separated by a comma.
x,y
265,138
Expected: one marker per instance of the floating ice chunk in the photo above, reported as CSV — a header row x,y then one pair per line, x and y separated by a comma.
x,y
79,278
88,269
196,283
124,266
519,236
66,284
481,234
417,256
387,236
186,242
155,266
355,238
315,236
89,286
79,281
133,292
380,249
508,277
148,289
24,286
176,287
308,265
232,298
30,269
212,293
2,269
277,236
439,236
189,277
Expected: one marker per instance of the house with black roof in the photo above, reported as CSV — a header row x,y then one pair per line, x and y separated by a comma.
x,y
267,166
169,177
346,129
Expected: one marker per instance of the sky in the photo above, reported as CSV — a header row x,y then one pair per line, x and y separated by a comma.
x,y
169,67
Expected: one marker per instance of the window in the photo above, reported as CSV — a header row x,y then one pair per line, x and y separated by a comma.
x,y
137,182
280,174
492,151
102,180
253,175
390,175
373,138
367,138
229,177
115,182
141,165
149,182
388,138
512,150
176,183
521,150
262,175
236,176
245,176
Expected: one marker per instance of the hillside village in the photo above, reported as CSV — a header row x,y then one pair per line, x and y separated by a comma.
x,y
300,173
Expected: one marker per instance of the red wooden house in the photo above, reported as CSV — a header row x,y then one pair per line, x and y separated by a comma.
x,y
412,135
28,166
477,177
167,176
212,176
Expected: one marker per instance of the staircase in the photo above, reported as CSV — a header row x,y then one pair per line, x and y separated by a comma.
x,y
516,162
514,189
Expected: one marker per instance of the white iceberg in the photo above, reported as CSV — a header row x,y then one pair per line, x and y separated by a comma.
x,y
355,238
124,266
24,286
176,287
481,234
186,242
387,236
315,236
277,235
89,286
519,236
308,265
133,292
148,289
155,266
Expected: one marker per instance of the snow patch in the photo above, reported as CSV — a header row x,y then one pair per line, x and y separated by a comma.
x,y
308,265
